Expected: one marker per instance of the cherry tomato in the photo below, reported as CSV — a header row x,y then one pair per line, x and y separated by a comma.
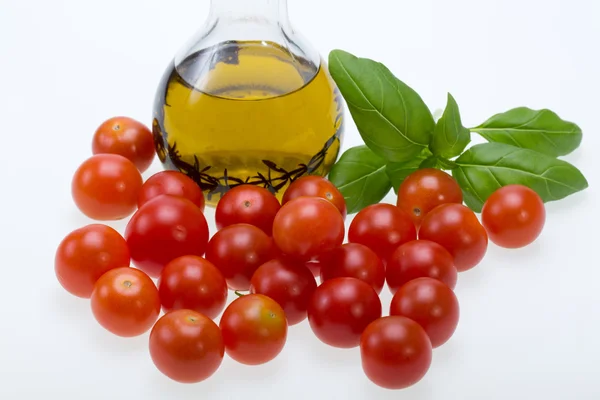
x,y
316,186
174,183
237,251
417,259
340,310
186,346
106,186
290,285
431,304
395,352
308,226
125,301
125,137
458,230
193,283
425,189
353,260
513,216
163,229
247,204
382,227
85,254
254,329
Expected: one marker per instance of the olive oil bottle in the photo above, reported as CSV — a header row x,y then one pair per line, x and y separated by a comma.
x,y
248,112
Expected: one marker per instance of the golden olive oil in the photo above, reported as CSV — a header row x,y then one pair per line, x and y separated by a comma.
x,y
247,112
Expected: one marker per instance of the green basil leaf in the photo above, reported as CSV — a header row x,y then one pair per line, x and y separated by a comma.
x,y
484,168
397,172
360,175
444,163
391,117
450,137
539,130
431,162
437,162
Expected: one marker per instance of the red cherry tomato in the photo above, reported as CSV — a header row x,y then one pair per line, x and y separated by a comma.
x,y
308,226
395,352
125,137
458,230
193,283
431,304
254,329
106,186
353,260
316,186
237,251
513,216
163,229
424,190
186,346
417,259
340,310
382,227
85,254
125,302
247,204
290,285
174,183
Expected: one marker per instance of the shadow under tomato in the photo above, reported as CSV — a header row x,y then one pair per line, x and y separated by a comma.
x,y
228,377
321,353
422,390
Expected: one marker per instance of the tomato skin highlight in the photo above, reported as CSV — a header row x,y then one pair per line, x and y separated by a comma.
x,y
513,216
382,227
424,190
126,137
237,251
340,309
353,260
308,226
431,304
174,183
247,204
163,229
105,187
186,346
418,259
456,228
85,254
254,329
193,283
125,302
290,285
316,186
395,352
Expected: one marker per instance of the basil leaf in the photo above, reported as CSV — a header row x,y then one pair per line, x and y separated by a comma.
x,y
437,162
431,162
360,175
484,168
391,117
450,137
539,130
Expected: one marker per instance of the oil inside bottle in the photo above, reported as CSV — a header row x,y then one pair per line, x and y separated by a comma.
x,y
247,112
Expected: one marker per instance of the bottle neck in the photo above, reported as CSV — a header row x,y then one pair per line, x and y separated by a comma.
x,y
255,11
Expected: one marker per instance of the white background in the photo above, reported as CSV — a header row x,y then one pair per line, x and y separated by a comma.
x,y
530,319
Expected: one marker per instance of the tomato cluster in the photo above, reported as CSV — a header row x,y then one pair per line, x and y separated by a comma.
x,y
274,251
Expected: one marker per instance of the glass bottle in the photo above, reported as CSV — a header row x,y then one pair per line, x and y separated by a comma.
x,y
247,100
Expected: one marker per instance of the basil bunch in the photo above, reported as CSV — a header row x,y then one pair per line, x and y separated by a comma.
x,y
401,136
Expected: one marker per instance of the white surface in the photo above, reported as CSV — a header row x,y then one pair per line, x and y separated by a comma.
x,y
530,319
